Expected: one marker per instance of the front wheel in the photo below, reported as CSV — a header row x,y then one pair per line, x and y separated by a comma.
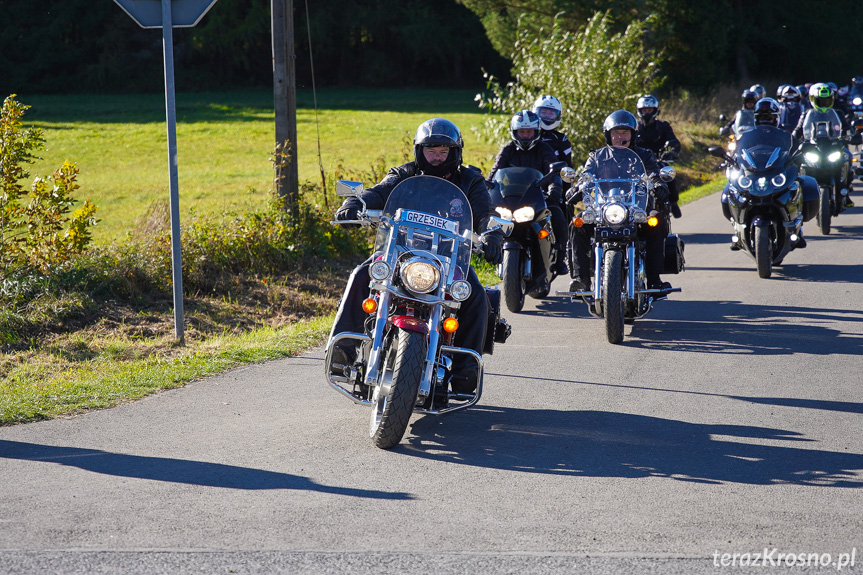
x,y
393,401
512,285
612,300
763,252
824,210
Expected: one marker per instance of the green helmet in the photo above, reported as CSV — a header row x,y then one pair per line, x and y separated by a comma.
x,y
821,95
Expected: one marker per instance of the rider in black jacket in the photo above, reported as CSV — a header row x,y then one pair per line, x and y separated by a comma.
x,y
550,111
527,151
437,152
620,131
658,137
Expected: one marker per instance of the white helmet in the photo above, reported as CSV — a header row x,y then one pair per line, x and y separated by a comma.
x,y
525,120
647,101
549,109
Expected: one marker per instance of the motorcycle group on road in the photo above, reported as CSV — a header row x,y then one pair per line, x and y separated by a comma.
x,y
415,321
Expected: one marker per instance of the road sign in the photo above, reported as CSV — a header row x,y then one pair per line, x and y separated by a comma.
x,y
148,13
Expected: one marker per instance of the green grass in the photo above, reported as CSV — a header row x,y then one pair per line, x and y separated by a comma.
x,y
224,141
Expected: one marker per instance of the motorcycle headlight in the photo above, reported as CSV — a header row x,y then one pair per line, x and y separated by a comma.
x,y
857,101
420,275
460,290
639,216
811,157
615,214
504,213
778,181
834,156
524,214
588,217
379,270
744,182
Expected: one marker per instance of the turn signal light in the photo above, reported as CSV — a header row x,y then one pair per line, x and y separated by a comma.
x,y
577,222
652,221
370,305
543,233
450,325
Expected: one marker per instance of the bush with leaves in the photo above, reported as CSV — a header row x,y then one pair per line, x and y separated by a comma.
x,y
592,72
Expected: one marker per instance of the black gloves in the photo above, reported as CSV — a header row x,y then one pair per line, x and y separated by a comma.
x,y
492,247
348,211
553,194
573,195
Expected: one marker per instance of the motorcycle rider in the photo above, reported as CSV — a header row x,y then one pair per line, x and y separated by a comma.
x,y
620,129
550,111
438,149
527,150
822,97
658,137
760,91
790,108
744,117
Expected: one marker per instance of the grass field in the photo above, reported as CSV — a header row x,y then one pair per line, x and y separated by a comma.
x,y
224,142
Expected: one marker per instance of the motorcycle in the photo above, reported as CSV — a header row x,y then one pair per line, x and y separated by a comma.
x,y
418,282
529,254
763,198
825,160
618,200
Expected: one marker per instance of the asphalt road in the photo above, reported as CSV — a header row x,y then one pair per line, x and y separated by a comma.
x,y
727,423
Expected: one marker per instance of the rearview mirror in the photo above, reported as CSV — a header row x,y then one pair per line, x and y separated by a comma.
x,y
498,223
348,189
667,173
716,151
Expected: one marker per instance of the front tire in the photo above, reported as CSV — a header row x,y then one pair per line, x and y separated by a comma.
x,y
612,300
763,252
512,285
403,370
824,210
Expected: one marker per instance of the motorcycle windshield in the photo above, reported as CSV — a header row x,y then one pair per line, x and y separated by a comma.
x,y
763,149
617,173
434,210
516,181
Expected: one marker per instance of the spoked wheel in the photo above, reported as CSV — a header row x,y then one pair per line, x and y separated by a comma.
x,y
824,210
512,285
612,300
763,251
393,401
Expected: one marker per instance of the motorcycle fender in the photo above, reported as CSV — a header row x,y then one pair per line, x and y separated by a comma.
x,y
411,324
761,222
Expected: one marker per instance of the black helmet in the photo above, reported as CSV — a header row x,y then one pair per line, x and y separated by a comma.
x,y
749,97
438,132
804,90
759,90
525,120
617,120
647,101
790,94
821,95
767,112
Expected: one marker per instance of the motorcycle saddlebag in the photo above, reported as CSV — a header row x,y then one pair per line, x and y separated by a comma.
x,y
497,330
674,262
811,197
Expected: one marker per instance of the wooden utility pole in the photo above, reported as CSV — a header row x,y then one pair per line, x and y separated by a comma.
x,y
286,179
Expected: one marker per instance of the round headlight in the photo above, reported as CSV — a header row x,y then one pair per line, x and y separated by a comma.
x,y
639,216
811,157
778,180
744,182
460,290
420,275
524,214
588,217
857,101
504,213
615,214
379,270
834,156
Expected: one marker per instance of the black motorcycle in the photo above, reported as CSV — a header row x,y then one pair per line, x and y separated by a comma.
x,y
528,254
764,198
825,160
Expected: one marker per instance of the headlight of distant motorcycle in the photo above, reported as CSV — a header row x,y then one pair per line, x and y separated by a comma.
x,y
811,157
778,180
834,156
524,214
459,290
857,101
420,275
379,270
504,213
744,182
615,214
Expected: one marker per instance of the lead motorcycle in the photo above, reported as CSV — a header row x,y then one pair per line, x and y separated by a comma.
x,y
419,276
618,200
528,253
764,199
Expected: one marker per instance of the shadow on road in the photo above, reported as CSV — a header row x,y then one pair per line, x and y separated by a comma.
x,y
605,444
177,470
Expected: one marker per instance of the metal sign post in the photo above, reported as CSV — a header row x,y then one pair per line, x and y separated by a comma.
x,y
176,13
